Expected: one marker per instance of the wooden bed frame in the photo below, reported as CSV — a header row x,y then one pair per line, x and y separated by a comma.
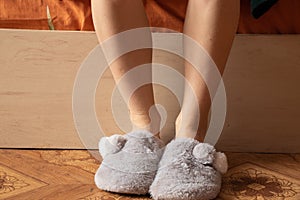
x,y
38,70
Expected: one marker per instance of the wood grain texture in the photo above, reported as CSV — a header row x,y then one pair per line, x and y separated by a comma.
x,y
38,69
262,86
37,75
69,174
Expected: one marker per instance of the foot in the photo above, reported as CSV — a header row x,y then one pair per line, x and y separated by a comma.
x,y
189,170
129,162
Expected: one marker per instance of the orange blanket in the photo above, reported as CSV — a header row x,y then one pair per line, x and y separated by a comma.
x,y
283,17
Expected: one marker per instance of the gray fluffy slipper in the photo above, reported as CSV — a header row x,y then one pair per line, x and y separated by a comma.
x,y
189,170
129,163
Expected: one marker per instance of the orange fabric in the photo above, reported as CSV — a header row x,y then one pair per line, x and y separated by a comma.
x,y
76,15
31,14
167,14
283,17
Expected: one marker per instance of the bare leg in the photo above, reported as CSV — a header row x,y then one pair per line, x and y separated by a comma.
x,y
111,17
213,24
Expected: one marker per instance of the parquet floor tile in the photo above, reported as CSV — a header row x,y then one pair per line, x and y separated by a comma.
x,y
69,174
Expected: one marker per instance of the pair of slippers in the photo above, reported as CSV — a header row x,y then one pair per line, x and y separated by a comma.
x,y
138,163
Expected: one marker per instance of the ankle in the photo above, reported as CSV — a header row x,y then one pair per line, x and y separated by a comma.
x,y
190,131
141,121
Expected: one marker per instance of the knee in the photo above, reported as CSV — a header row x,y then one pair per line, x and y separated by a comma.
x,y
203,4
209,6
117,2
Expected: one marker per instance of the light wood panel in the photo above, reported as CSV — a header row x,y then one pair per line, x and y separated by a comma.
x,y
38,70
69,174
262,86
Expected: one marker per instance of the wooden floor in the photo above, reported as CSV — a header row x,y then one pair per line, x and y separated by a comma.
x,y
68,174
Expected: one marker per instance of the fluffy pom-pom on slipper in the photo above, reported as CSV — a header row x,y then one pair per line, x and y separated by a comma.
x,y
189,170
129,163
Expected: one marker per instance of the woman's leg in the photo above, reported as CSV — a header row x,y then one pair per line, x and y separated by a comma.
x,y
114,16
213,24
